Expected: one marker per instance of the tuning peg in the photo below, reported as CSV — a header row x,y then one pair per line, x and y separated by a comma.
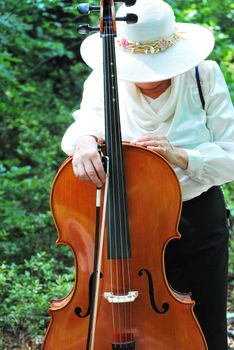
x,y
130,18
85,29
85,9
127,2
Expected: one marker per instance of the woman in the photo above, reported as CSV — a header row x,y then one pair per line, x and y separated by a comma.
x,y
161,109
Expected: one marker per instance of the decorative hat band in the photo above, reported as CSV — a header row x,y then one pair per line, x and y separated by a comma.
x,y
148,47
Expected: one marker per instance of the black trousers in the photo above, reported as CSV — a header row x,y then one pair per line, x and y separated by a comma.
x,y
198,262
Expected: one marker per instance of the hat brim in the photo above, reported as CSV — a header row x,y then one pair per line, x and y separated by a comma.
x,y
196,44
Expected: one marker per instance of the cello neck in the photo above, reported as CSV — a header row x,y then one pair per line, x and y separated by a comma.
x,y
117,217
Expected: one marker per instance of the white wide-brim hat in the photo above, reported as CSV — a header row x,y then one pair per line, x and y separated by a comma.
x,y
156,48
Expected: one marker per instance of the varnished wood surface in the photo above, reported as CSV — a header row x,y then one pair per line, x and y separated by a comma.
x,y
154,204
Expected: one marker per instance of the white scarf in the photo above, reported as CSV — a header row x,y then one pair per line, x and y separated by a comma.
x,y
144,114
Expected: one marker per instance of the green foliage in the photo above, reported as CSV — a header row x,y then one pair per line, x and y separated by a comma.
x,y
41,77
30,285
41,83
220,20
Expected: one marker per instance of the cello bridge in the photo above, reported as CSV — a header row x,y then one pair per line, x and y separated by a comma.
x,y
120,298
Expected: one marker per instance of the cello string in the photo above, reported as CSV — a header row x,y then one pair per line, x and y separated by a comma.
x,y
119,175
110,142
116,174
126,240
125,218
111,228
119,200
116,202
115,192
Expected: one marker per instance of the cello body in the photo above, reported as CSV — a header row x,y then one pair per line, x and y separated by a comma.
x,y
159,318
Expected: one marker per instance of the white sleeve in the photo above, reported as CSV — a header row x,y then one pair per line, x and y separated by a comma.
x,y
89,119
212,163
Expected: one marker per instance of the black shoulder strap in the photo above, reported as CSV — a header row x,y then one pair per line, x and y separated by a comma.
x,y
199,87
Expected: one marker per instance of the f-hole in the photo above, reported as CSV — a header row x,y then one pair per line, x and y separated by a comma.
x,y
165,306
78,310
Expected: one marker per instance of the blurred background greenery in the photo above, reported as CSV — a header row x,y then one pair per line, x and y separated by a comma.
x,y
42,74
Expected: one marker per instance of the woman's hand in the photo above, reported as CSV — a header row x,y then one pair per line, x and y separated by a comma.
x,y
159,143
87,164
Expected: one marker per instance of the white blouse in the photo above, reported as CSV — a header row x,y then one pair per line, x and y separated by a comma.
x,y
207,136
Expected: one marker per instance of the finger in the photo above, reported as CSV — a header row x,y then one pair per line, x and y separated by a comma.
x,y
76,165
101,140
159,149
97,163
80,171
91,173
154,143
141,139
149,137
136,141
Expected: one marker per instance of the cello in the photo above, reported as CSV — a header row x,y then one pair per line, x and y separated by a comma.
x,y
120,298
